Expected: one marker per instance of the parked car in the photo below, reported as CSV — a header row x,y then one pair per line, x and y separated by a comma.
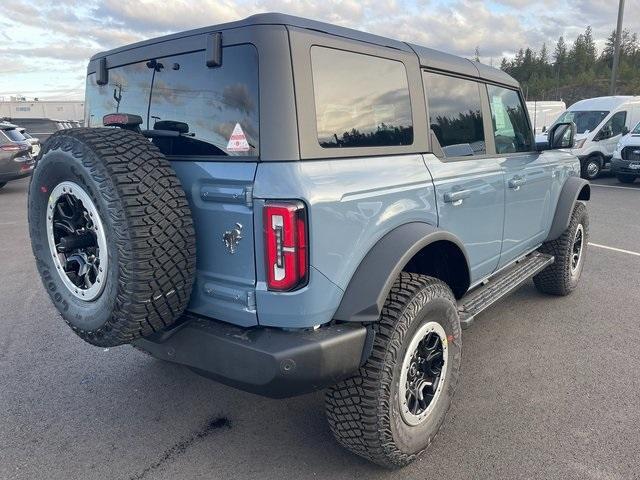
x,y
331,222
35,142
543,113
600,123
16,160
625,164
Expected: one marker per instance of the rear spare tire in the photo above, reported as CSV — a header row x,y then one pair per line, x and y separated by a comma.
x,y
112,234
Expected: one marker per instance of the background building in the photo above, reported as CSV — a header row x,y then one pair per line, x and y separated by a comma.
x,y
55,110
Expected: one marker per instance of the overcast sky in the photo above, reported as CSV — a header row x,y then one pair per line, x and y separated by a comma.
x,y
45,44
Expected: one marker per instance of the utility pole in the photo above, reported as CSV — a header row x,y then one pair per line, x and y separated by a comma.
x,y
616,50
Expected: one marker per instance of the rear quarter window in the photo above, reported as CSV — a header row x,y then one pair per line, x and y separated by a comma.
x,y
220,106
360,100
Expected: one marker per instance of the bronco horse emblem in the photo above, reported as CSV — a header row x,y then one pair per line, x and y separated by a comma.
x,y
232,238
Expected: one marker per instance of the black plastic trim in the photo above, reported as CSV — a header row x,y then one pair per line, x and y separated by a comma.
x,y
272,362
574,189
370,285
102,74
214,50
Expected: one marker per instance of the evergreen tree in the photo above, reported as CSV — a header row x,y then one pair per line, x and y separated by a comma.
x,y
578,71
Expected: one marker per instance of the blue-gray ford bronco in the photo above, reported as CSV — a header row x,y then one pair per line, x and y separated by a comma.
x,y
286,205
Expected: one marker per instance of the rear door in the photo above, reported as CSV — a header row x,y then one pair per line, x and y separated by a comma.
x,y
469,182
528,175
206,121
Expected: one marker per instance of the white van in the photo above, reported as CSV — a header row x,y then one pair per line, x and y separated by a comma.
x,y
543,113
600,123
625,164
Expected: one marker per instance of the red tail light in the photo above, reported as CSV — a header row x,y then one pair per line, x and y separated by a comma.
x,y
11,147
285,229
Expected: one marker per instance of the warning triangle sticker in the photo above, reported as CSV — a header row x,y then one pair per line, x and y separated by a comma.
x,y
238,141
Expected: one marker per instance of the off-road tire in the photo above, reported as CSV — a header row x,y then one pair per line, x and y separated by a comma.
x,y
363,411
626,178
593,172
148,226
557,279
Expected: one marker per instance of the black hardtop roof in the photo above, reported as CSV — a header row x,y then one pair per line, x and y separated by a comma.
x,y
428,57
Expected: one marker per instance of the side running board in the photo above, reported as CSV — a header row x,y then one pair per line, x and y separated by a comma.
x,y
502,284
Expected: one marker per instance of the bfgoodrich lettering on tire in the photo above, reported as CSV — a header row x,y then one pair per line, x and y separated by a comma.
x,y
112,234
391,411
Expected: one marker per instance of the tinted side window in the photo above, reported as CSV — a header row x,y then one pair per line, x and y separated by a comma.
x,y
455,114
220,106
616,123
509,118
361,100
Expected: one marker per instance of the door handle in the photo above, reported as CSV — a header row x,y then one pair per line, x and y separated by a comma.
x,y
456,197
516,182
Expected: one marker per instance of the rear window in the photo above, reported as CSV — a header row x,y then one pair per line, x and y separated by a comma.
x,y
361,100
13,135
455,115
220,106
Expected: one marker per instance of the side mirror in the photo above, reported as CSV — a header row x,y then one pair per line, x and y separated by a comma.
x,y
544,129
562,135
625,130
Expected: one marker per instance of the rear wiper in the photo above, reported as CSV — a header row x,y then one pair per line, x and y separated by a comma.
x,y
156,133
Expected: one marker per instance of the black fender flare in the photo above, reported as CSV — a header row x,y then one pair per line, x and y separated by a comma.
x,y
574,189
369,286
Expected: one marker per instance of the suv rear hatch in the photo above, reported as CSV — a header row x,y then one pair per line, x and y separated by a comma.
x,y
206,121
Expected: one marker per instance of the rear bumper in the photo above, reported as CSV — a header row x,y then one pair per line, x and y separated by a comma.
x,y
14,168
268,361
622,166
8,177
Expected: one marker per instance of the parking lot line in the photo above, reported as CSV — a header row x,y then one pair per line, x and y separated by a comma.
x,y
628,252
615,186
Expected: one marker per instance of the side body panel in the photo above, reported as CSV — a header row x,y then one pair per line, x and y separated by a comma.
x,y
529,205
219,194
352,203
477,219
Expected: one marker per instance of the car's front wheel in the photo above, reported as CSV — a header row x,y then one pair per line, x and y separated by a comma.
x,y
391,411
569,252
591,167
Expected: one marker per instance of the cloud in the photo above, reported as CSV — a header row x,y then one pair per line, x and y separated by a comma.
x,y
150,15
59,52
68,32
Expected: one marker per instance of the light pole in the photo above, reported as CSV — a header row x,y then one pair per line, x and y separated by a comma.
x,y
616,50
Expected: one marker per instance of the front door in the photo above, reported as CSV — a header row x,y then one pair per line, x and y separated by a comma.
x,y
611,132
527,176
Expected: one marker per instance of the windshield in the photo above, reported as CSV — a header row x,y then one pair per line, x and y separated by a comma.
x,y
584,120
637,129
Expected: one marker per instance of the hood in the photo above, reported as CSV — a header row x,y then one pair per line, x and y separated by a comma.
x,y
632,139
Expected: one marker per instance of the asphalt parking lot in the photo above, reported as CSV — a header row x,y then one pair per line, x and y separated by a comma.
x,y
550,387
